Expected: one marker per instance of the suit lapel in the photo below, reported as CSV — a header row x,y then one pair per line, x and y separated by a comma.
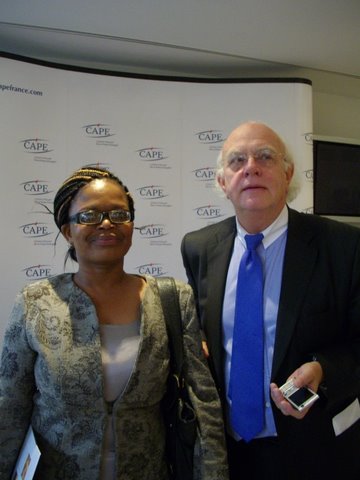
x,y
219,253
299,262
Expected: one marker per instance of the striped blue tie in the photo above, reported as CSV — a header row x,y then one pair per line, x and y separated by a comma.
x,y
246,387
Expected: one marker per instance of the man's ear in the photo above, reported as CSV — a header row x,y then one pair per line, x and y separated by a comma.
x,y
289,173
220,180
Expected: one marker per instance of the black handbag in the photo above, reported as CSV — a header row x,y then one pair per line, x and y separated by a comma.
x,y
179,415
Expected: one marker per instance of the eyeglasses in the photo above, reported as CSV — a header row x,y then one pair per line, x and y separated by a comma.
x,y
94,217
263,156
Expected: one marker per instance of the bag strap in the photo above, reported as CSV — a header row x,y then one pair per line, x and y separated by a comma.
x,y
171,308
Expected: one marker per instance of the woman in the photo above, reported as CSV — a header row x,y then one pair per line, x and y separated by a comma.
x,y
85,357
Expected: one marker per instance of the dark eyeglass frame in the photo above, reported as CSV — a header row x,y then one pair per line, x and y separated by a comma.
x,y
78,217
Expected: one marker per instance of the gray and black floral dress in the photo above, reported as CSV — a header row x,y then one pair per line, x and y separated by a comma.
x,y
51,378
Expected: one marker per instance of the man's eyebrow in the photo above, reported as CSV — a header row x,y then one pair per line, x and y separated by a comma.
x,y
231,153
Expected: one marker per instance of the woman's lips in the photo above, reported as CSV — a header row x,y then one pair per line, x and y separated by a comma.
x,y
106,240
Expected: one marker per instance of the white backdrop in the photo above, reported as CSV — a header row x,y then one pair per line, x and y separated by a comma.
x,y
161,137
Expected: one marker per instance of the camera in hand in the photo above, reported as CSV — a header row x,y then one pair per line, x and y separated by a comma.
x,y
299,398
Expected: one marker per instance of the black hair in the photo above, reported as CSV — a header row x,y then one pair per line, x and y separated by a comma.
x,y
70,188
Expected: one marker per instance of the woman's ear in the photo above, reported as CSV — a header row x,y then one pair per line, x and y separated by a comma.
x,y
66,232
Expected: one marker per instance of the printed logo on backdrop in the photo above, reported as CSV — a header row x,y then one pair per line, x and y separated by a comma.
x,y
103,165
39,232
39,148
101,132
308,137
155,156
212,138
155,233
36,187
209,213
155,194
154,269
37,272
206,175
309,175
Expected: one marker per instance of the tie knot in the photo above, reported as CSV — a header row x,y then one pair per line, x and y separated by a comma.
x,y
253,241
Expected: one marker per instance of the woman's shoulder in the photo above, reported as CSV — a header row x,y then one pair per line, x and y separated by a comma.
x,y
180,285
47,285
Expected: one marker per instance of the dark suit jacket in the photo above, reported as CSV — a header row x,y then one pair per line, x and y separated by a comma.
x,y
319,313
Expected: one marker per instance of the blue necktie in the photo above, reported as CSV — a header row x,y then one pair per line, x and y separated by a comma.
x,y
246,387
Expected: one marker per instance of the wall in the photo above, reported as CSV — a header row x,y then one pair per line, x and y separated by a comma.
x,y
336,99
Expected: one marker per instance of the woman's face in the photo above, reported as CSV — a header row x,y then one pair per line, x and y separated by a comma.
x,y
107,242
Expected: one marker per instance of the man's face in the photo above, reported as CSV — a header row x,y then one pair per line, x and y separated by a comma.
x,y
254,178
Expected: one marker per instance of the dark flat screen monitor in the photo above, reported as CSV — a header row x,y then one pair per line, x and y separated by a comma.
x,y
337,179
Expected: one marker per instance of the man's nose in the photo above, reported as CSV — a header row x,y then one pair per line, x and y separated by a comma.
x,y
251,166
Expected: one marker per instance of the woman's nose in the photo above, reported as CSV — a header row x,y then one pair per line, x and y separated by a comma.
x,y
106,223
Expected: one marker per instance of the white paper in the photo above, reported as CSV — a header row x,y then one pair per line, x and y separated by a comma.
x,y
343,420
28,458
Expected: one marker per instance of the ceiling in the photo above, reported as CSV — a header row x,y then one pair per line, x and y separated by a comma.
x,y
216,38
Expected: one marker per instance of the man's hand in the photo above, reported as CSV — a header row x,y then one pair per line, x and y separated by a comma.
x,y
308,375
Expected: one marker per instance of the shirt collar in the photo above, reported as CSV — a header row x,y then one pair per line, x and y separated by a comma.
x,y
271,233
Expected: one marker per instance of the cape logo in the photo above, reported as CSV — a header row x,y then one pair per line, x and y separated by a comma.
x,y
36,187
98,130
154,269
210,136
36,146
208,212
152,192
151,154
205,174
37,271
35,230
152,231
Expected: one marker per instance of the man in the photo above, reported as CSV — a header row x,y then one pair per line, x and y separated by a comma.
x,y
311,315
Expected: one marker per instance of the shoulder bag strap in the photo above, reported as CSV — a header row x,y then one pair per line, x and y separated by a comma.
x,y
171,308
